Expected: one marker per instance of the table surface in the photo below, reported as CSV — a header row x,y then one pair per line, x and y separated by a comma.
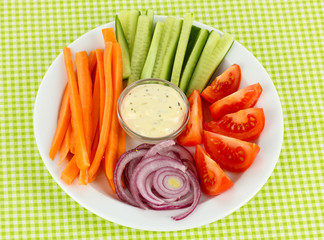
x,y
287,38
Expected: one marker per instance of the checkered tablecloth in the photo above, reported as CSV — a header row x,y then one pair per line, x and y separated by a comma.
x,y
285,36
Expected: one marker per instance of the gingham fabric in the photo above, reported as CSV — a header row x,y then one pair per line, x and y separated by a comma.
x,y
285,36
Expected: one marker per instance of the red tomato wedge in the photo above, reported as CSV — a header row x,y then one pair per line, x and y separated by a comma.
x,y
223,85
246,124
241,99
230,153
213,179
192,134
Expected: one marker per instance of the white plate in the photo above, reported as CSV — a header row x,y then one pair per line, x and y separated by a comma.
x,y
97,196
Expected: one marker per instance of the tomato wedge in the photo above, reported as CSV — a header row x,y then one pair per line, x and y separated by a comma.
x,y
213,179
230,153
223,85
246,124
241,99
192,134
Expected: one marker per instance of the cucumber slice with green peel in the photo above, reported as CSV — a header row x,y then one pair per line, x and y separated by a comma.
x,y
171,49
212,55
141,46
181,49
151,56
124,47
194,34
150,14
196,45
128,20
167,31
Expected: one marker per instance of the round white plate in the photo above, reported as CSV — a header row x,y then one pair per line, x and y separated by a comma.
x,y
97,196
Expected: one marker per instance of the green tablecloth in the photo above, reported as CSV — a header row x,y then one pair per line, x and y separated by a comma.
x,y
285,36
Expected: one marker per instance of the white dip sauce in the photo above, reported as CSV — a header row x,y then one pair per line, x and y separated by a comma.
x,y
153,110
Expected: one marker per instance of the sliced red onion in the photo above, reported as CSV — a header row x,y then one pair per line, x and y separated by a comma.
x,y
148,168
181,203
144,146
161,176
158,147
196,196
122,162
161,183
182,152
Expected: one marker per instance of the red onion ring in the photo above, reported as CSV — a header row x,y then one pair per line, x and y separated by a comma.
x,y
161,176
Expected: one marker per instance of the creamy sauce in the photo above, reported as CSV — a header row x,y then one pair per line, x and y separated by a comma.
x,y
153,110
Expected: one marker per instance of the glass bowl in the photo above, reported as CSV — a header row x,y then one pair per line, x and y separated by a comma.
x,y
132,132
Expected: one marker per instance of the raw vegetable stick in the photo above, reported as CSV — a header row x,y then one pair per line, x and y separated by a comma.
x,y
62,123
95,105
65,147
109,35
85,89
70,171
76,110
104,62
95,144
112,147
92,61
73,138
101,75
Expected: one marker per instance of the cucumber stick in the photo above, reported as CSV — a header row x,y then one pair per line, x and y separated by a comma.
x,y
197,40
167,31
212,55
124,47
194,35
150,14
141,46
171,49
151,56
128,20
181,49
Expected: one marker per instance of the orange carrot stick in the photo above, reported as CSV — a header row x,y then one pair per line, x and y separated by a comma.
x,y
85,88
92,61
62,123
77,118
95,144
65,147
73,138
109,35
113,142
95,106
104,61
101,74
70,171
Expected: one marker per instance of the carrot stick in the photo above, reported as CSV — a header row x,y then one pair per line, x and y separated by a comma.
x,y
85,88
70,171
95,144
77,118
92,61
73,138
101,74
65,147
109,35
113,143
95,106
62,123
104,61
